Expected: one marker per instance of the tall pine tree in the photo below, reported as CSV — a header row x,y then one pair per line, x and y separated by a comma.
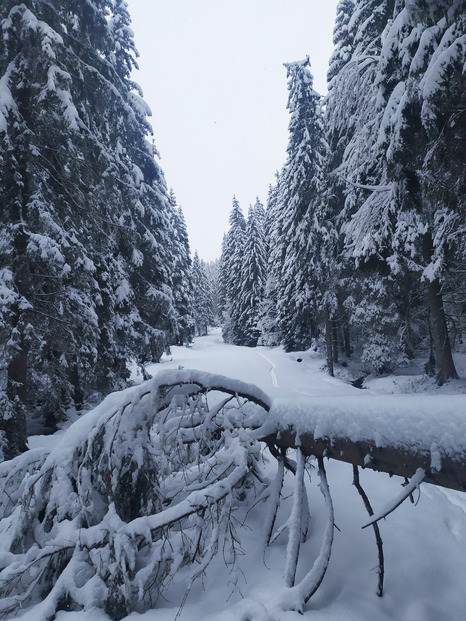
x,y
253,275
301,185
230,275
202,297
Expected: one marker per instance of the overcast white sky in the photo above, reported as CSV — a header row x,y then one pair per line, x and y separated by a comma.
x,y
212,73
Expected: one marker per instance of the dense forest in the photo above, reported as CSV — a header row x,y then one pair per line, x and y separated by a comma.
x,y
95,266
360,251
359,254
362,248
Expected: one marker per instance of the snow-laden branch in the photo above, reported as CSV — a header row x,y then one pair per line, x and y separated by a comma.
x,y
406,493
295,598
295,523
109,516
361,186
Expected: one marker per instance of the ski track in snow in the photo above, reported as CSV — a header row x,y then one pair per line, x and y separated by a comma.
x,y
273,366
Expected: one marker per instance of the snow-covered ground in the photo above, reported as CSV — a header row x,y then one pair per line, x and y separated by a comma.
x,y
424,543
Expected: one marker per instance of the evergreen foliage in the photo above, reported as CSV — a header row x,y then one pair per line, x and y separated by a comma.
x,y
363,239
301,184
86,259
212,270
230,276
364,231
203,307
273,233
253,270
182,285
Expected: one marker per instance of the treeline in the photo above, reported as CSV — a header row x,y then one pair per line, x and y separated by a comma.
x,y
362,246
95,267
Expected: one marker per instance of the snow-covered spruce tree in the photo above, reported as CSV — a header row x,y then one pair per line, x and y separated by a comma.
x,y
299,197
83,265
268,322
202,297
394,208
366,293
181,277
422,91
253,273
222,297
230,275
212,270
338,128
342,38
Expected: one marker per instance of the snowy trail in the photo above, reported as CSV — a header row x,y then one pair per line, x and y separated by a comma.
x,y
273,370
273,366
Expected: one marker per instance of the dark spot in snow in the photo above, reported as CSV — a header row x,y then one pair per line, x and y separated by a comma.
x,y
358,383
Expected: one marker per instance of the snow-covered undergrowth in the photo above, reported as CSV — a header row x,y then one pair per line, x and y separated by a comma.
x,y
137,488
147,495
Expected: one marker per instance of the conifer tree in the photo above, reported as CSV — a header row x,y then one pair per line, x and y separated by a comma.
x,y
202,297
423,100
274,222
383,127
253,273
230,275
302,176
364,295
181,278
342,38
84,266
212,269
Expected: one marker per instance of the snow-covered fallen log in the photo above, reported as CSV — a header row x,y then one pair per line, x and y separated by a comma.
x,y
149,483
396,434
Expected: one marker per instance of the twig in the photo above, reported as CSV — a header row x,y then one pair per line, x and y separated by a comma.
x,y
375,526
408,490
295,523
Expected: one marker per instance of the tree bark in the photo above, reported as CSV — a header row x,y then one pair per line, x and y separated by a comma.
x,y
390,459
442,347
14,424
329,340
334,324
444,360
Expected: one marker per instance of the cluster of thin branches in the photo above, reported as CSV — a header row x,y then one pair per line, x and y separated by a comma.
x,y
148,486
128,496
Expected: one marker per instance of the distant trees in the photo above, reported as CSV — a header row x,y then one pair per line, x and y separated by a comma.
x,y
203,306
242,275
364,231
94,258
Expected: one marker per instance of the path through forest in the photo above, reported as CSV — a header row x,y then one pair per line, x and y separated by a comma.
x,y
277,373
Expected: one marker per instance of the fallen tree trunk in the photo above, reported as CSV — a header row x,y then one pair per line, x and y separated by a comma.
x,y
396,434
151,479
393,461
